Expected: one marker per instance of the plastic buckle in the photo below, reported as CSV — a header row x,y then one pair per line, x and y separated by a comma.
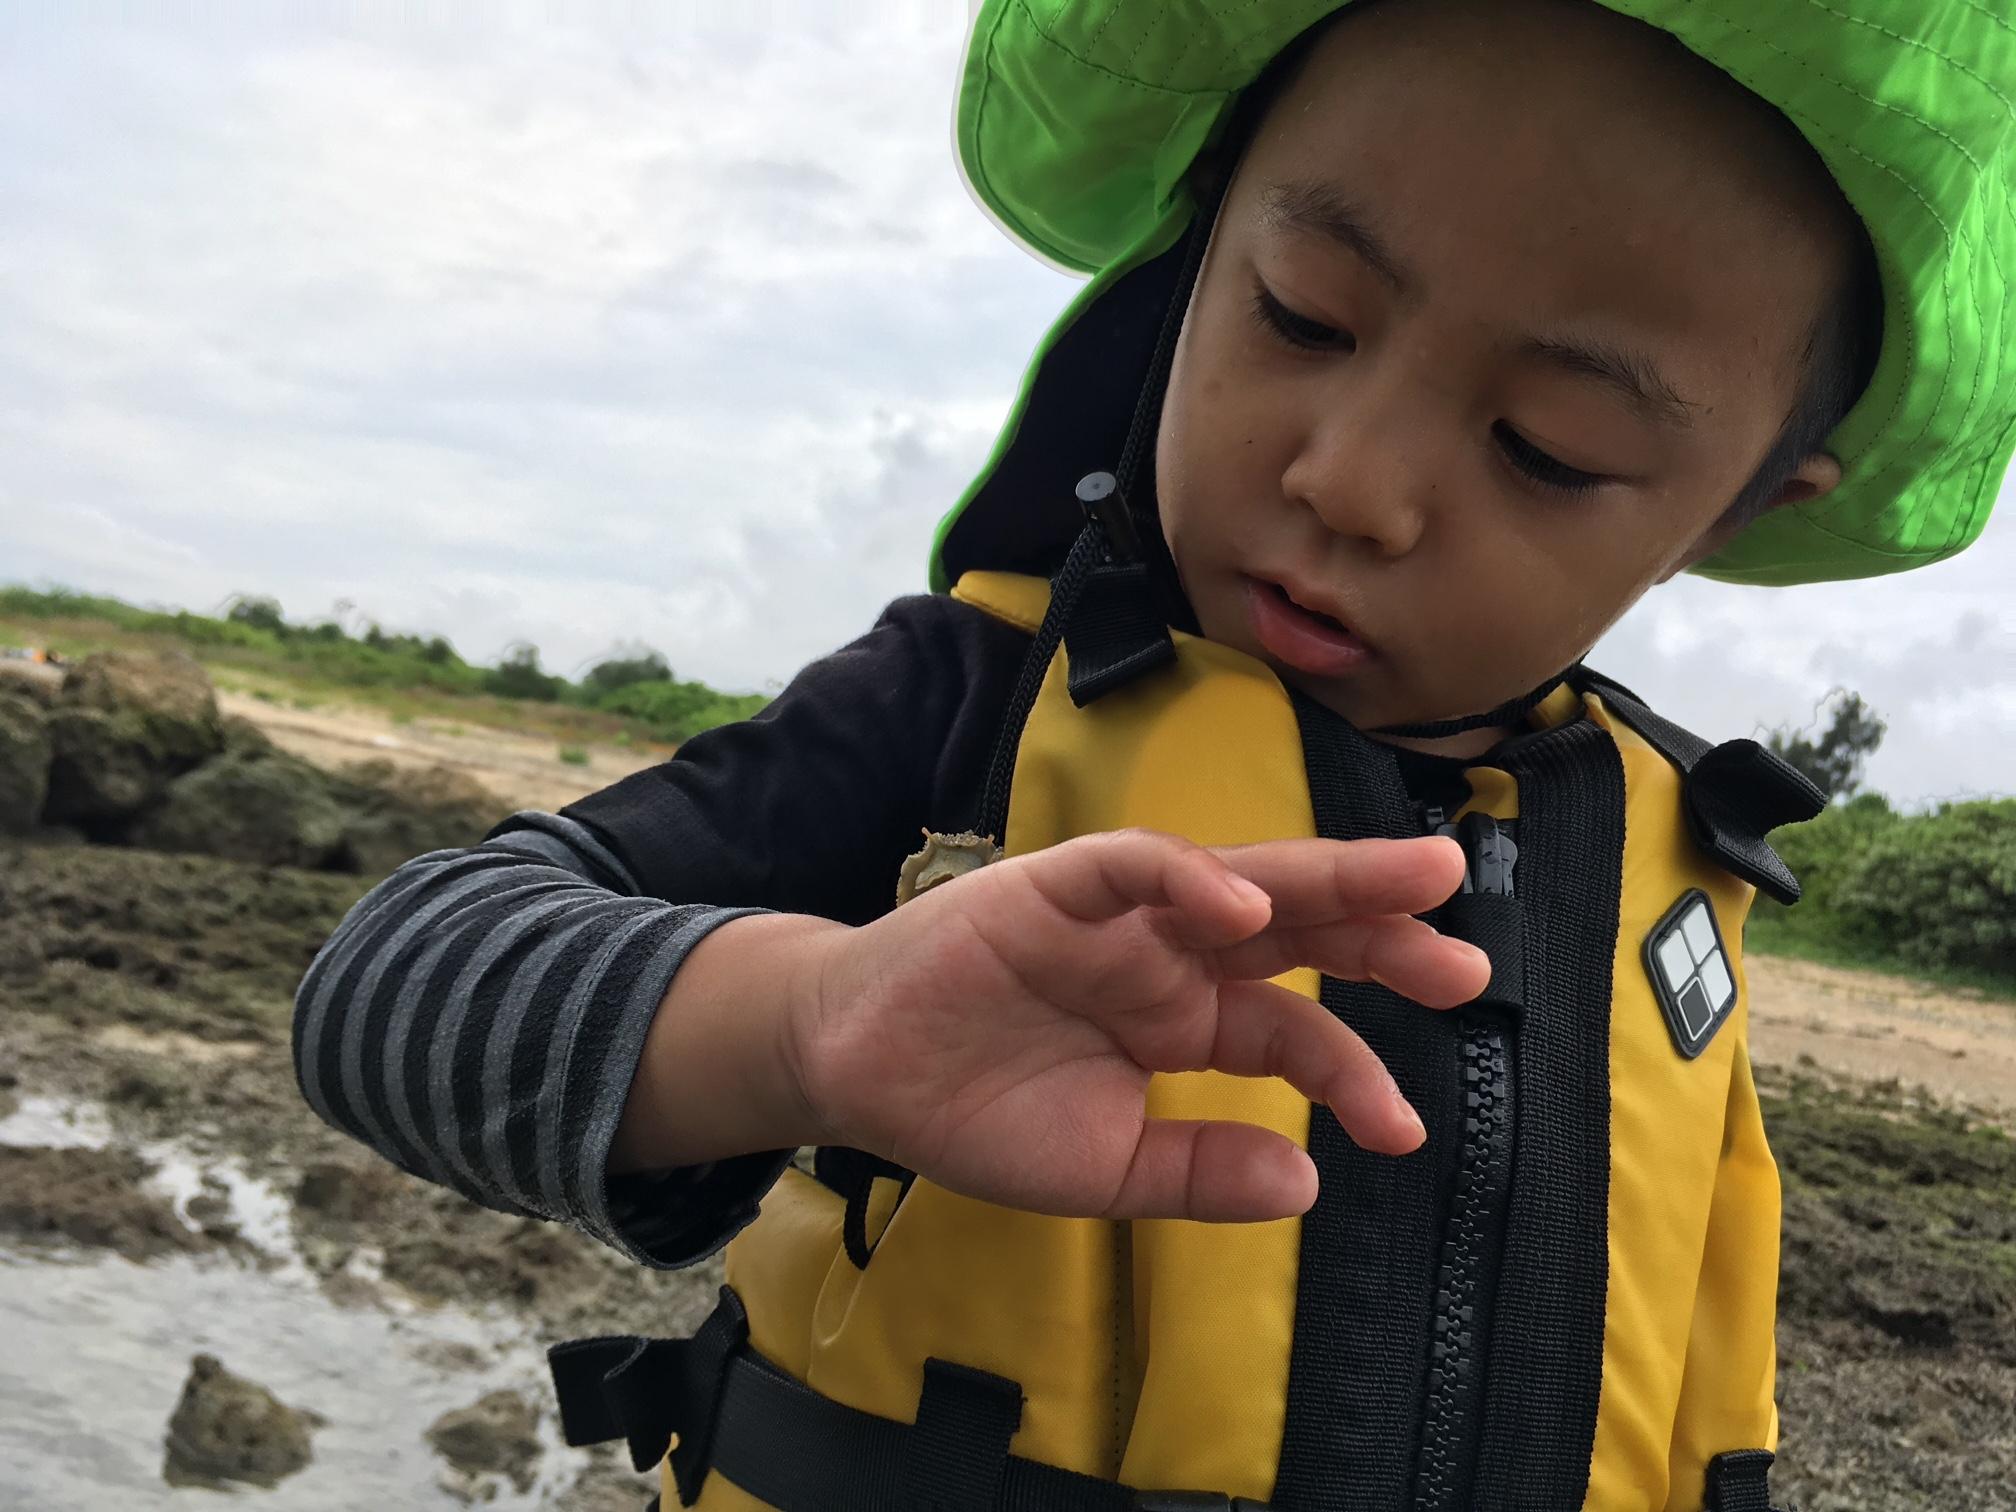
x,y
1194,1501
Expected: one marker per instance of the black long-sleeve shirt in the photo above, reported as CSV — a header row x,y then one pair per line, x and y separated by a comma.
x,y
477,1018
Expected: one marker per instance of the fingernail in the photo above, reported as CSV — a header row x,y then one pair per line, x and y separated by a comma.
x,y
1412,1118
1244,892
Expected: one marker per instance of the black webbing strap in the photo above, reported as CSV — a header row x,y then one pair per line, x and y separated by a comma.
x,y
783,1443
958,1449
1117,631
1545,1371
1364,1290
1735,793
1085,554
1740,1482
643,1390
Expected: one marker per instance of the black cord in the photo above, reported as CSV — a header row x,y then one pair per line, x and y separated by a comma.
x,y
1094,544
1064,589
1504,714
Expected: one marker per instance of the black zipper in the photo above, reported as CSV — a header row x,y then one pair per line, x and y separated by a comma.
x,y
1473,1239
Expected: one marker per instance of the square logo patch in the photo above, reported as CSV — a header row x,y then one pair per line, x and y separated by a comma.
x,y
1690,972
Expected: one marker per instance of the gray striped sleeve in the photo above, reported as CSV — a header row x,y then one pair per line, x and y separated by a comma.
x,y
477,1020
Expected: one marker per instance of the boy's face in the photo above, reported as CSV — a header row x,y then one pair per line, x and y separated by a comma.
x,y
1507,302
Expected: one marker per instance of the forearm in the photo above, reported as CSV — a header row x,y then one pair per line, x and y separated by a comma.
x,y
478,1017
716,1078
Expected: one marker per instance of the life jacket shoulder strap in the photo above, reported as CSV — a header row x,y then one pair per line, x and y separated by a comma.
x,y
1734,793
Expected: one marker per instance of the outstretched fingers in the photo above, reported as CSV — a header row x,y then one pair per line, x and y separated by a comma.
x,y
1204,900
1222,1171
1266,1030
1396,951
1322,881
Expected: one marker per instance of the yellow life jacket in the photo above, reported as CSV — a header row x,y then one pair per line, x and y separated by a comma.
x,y
1565,1299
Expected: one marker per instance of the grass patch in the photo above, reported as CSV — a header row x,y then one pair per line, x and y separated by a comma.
x,y
573,755
1780,932
1931,894
407,677
1900,1214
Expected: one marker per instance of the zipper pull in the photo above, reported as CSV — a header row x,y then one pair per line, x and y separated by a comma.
x,y
1489,853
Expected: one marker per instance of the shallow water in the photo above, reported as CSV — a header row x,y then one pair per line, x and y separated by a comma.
x,y
94,1349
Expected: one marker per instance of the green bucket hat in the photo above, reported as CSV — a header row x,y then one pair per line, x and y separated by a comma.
x,y
1077,121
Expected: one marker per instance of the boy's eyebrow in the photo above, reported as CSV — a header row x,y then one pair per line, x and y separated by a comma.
x,y
1317,209
1312,208
1629,375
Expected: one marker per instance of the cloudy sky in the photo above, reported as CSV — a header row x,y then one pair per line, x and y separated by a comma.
x,y
666,323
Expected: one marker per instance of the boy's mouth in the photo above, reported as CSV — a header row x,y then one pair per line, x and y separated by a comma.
x,y
1306,639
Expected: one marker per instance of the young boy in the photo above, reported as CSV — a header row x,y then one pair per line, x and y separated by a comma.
x,y
1172,1161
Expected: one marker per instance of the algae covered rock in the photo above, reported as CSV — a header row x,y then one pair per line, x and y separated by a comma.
x,y
25,751
497,1435
163,698
95,1198
124,725
264,808
226,1428
37,682
396,814
99,774
244,738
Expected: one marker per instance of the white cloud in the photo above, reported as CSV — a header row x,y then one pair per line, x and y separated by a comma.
x,y
667,323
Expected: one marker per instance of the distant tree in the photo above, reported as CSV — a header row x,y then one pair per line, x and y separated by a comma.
x,y
260,613
1834,758
638,664
518,675
438,651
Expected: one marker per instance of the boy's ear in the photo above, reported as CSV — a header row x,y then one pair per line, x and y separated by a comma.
x,y
1817,475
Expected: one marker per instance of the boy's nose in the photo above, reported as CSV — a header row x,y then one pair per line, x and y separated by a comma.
x,y
1364,482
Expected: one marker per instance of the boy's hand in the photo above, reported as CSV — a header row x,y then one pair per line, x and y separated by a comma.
x,y
996,1034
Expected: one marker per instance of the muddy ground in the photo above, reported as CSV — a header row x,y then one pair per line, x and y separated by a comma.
x,y
149,995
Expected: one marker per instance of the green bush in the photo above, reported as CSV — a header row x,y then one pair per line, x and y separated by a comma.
x,y
1935,891
518,676
678,710
1940,890
259,613
1824,852
644,665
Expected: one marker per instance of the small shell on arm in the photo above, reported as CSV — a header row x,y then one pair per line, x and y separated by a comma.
x,y
943,858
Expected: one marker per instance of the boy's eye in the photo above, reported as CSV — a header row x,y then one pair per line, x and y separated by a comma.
x,y
1539,466
1299,330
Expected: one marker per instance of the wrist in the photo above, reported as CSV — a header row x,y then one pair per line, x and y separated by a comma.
x,y
720,1073
810,963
